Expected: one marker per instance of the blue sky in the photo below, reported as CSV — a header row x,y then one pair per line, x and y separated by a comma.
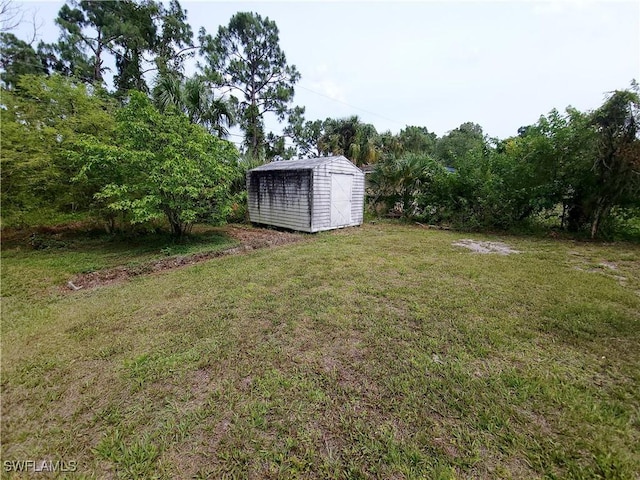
x,y
439,64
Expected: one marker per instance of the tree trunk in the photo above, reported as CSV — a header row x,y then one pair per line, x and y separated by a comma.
x,y
97,67
176,229
575,216
601,212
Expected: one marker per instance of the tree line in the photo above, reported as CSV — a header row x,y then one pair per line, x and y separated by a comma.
x,y
573,170
151,144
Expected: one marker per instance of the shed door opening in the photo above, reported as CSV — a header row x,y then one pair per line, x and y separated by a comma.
x,y
341,199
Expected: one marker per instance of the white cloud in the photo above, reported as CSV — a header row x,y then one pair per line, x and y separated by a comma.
x,y
329,88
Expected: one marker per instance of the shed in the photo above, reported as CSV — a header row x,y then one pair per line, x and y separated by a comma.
x,y
309,195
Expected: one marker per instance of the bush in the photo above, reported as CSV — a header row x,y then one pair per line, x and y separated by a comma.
x,y
161,165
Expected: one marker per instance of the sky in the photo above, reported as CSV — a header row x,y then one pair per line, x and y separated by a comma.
x,y
438,64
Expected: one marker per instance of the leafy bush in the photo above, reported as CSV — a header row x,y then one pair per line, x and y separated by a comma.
x,y
161,165
42,119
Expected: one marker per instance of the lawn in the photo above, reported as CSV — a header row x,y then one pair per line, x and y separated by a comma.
x,y
375,352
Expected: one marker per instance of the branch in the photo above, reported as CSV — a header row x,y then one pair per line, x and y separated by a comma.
x,y
180,52
266,82
11,14
168,59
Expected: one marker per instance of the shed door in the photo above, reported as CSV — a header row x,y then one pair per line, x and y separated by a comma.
x,y
341,199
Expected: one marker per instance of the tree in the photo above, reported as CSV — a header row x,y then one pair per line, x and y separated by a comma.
x,y
42,120
459,142
153,30
304,134
404,182
390,145
417,140
194,98
276,148
350,137
162,165
175,40
18,58
246,57
617,163
135,34
82,51
551,165
11,15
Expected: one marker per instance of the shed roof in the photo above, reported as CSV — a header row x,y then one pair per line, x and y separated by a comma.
x,y
302,164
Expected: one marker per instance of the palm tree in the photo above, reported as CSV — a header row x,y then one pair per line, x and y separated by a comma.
x,y
352,138
194,98
398,181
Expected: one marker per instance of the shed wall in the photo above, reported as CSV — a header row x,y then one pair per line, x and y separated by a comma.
x,y
281,198
322,193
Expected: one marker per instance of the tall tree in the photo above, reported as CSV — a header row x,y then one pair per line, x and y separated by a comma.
x,y
154,38
11,15
175,40
88,30
390,144
137,35
459,142
276,148
552,162
140,36
246,57
417,140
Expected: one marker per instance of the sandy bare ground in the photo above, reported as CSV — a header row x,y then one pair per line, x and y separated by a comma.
x,y
485,247
249,238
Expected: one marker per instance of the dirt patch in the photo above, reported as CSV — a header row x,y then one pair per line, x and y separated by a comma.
x,y
262,237
486,247
606,268
249,239
609,265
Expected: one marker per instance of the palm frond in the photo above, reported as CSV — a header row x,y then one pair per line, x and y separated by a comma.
x,y
167,92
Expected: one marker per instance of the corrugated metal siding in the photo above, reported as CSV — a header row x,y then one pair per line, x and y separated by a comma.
x,y
357,207
300,164
300,199
322,193
281,198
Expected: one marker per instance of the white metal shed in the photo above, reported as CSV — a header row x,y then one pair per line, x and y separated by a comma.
x,y
308,195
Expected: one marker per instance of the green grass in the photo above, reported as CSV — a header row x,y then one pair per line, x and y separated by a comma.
x,y
377,352
33,263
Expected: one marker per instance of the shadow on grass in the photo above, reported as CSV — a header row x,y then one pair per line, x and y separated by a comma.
x,y
128,243
33,261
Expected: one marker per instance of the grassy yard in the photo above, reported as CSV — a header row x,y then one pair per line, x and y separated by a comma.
x,y
376,352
